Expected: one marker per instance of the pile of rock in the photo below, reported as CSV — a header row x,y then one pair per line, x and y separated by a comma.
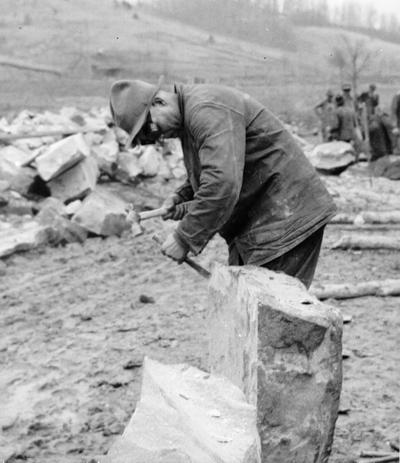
x,y
49,185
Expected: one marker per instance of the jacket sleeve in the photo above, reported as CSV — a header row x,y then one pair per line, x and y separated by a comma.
x,y
220,139
185,192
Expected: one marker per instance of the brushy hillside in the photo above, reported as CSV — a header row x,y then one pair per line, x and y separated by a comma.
x,y
95,42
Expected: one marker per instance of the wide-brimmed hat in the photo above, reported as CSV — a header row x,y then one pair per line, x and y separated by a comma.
x,y
130,103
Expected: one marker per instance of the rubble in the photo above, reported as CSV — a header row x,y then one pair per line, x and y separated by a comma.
x,y
187,415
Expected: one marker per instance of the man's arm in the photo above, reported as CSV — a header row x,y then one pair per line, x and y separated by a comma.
x,y
220,137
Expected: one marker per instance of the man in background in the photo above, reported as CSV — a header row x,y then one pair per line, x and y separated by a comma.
x,y
326,114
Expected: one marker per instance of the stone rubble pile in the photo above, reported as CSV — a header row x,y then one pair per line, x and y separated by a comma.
x,y
51,186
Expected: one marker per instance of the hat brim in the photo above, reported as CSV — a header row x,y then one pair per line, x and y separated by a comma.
x,y
142,118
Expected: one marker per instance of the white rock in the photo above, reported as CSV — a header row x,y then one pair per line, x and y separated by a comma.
x,y
61,156
150,161
102,213
172,422
24,237
128,167
76,182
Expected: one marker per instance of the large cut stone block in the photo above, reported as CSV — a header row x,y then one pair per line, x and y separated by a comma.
x,y
76,182
102,213
62,155
282,347
188,416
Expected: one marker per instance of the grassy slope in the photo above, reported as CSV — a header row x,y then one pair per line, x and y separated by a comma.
x,y
88,37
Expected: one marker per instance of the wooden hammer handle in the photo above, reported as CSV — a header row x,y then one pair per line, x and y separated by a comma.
x,y
199,269
150,214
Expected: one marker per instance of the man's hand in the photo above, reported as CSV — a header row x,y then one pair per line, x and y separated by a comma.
x,y
169,205
173,249
178,212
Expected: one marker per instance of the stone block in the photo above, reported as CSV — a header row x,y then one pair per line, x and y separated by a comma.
x,y
62,155
14,155
76,182
128,168
106,153
282,347
102,213
26,236
187,416
150,161
332,158
52,214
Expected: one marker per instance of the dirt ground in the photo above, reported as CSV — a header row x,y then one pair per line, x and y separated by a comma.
x,y
77,321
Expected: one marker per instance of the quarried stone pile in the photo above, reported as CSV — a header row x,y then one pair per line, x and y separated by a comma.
x,y
282,347
68,168
186,415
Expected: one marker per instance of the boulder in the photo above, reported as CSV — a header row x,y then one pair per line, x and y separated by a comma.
x,y
332,158
52,214
150,161
282,347
187,416
22,237
20,179
62,155
128,168
76,182
102,213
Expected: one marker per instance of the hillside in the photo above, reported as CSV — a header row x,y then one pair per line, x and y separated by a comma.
x,y
94,43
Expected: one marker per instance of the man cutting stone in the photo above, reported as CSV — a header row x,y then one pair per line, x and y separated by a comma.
x,y
247,178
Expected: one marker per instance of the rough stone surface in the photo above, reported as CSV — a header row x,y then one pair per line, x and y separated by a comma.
x,y
76,182
128,169
150,161
282,347
188,416
28,235
102,213
62,155
63,231
106,153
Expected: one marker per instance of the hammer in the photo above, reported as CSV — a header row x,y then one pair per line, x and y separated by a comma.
x,y
134,218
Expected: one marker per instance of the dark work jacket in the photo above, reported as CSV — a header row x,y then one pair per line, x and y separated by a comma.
x,y
345,124
247,177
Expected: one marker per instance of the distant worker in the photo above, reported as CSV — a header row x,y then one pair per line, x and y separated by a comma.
x,y
344,127
326,114
395,117
348,99
372,100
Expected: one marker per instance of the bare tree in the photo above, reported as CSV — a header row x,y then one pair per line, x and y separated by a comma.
x,y
352,58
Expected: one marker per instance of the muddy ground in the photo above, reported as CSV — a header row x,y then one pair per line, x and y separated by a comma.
x,y
77,321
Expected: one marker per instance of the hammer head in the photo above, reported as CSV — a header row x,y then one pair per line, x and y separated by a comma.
x,y
133,218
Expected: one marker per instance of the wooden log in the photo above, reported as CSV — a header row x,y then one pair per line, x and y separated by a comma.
x,y
368,217
366,242
21,64
390,287
9,138
387,459
370,454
